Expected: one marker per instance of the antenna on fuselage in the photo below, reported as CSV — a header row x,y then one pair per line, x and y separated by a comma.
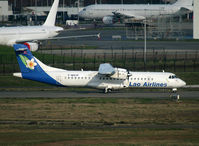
x,y
50,21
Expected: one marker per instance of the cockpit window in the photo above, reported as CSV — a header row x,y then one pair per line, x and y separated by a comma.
x,y
172,77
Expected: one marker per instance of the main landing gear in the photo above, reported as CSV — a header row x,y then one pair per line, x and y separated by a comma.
x,y
107,90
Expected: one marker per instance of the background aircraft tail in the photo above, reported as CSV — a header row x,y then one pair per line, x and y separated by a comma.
x,y
184,2
31,68
50,21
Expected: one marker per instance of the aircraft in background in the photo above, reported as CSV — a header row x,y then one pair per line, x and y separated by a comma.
x,y
107,77
112,13
31,35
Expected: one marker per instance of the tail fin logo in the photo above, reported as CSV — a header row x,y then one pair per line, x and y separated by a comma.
x,y
28,63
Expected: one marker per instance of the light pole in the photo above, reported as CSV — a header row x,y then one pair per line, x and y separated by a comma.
x,y
63,11
36,11
144,41
78,11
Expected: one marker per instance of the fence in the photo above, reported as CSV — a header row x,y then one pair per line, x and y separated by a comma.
x,y
131,59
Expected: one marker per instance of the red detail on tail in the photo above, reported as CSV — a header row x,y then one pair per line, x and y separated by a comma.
x,y
27,45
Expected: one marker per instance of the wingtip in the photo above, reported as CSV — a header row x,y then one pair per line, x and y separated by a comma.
x,y
99,35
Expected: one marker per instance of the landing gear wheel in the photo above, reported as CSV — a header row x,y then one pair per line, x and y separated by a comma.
x,y
107,90
174,95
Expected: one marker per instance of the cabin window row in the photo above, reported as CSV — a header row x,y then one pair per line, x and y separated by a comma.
x,y
78,78
142,79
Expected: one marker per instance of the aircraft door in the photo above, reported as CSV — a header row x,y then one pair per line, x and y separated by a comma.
x,y
125,84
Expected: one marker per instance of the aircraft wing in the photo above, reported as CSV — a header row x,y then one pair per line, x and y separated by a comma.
x,y
80,36
59,38
119,14
106,69
186,9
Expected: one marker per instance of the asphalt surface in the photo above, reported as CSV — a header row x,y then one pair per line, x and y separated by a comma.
x,y
96,94
106,41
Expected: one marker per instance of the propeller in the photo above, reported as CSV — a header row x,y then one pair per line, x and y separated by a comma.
x,y
128,74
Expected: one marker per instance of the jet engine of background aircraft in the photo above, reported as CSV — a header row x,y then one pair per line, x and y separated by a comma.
x,y
32,46
108,20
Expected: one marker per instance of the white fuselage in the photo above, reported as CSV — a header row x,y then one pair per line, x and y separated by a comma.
x,y
137,80
12,35
139,10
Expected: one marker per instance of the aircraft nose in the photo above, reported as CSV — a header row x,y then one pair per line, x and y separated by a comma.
x,y
182,83
80,14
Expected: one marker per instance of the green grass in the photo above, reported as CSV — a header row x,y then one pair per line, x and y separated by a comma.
x,y
6,50
103,137
97,121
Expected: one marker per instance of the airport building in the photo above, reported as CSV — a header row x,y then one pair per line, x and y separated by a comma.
x,y
5,10
196,20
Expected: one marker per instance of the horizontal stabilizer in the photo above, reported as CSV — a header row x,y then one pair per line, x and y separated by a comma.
x,y
19,75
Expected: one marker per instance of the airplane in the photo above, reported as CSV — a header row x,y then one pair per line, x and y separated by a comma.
x,y
31,35
112,13
106,78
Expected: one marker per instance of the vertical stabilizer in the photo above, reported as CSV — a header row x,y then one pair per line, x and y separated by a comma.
x,y
31,68
184,2
50,21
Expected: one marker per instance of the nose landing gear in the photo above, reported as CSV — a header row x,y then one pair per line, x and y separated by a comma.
x,y
174,95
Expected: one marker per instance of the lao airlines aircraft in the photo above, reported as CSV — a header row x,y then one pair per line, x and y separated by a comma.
x,y
30,35
107,77
111,13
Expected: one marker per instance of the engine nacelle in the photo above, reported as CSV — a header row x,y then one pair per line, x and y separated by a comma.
x,y
108,20
32,46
